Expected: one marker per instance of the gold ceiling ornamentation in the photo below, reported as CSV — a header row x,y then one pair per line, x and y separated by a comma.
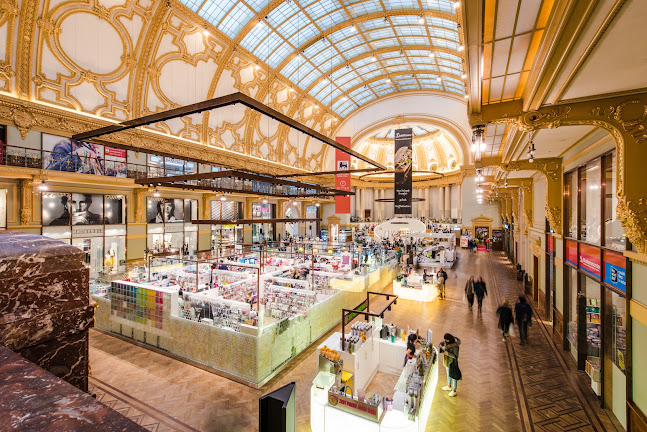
x,y
625,118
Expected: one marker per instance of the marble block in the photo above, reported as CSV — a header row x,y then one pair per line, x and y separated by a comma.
x,y
45,309
33,400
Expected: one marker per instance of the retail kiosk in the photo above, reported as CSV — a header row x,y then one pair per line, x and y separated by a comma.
x,y
348,363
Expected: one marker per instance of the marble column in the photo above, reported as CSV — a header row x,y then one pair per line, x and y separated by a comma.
x,y
448,202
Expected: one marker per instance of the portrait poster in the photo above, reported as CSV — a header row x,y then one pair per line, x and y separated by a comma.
x,y
115,207
115,161
173,210
403,166
87,209
155,210
56,209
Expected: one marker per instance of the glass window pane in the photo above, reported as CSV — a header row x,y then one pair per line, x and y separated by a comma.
x,y
613,230
572,308
619,334
590,204
571,204
593,324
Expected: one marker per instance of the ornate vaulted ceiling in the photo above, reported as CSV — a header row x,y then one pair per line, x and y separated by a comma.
x,y
347,53
314,61
433,150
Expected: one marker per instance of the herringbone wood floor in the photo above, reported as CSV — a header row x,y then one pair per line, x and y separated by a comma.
x,y
505,387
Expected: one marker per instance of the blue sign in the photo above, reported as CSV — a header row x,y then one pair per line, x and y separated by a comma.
x,y
615,276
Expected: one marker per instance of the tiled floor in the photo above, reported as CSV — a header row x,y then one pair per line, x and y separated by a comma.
x,y
505,387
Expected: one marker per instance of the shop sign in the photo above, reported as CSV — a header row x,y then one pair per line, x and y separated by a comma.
x,y
403,165
571,252
115,152
360,409
342,181
550,244
615,272
590,260
87,231
170,228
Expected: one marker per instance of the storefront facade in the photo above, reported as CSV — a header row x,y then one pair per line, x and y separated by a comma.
x,y
595,280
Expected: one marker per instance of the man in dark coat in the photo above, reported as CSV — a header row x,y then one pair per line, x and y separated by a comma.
x,y
523,316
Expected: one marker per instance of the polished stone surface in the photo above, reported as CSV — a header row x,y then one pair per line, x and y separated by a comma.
x,y
45,309
32,399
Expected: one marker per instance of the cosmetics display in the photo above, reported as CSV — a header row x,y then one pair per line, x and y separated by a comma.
x,y
143,304
239,291
217,311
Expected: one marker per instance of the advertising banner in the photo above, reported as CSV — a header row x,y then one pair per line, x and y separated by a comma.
x,y
590,260
549,244
403,165
342,181
571,252
615,271
87,209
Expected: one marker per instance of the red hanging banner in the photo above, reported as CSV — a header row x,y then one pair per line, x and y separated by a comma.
x,y
342,181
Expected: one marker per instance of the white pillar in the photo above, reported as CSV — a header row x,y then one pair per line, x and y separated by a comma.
x,y
441,202
426,203
359,202
460,203
448,202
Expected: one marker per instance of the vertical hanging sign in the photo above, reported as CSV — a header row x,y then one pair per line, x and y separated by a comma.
x,y
342,181
403,165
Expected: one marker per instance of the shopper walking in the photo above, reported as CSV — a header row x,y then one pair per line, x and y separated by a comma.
x,y
523,315
469,291
450,347
481,291
441,278
505,318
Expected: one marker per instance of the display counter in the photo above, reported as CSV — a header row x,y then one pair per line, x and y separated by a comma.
x,y
250,354
332,410
424,292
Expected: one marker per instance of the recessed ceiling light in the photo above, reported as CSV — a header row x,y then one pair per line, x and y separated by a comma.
x,y
467,96
431,55
387,80
353,28
461,48
464,76
456,4
421,20
259,24
439,79
373,58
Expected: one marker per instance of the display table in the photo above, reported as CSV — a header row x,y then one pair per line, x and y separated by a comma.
x,y
330,412
425,292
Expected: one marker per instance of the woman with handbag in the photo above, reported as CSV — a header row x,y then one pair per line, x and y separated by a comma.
x,y
450,347
469,291
505,318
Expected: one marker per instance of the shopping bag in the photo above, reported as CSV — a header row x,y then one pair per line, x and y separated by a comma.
x,y
511,330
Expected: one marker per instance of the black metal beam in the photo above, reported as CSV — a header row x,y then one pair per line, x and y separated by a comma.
x,y
221,102
251,221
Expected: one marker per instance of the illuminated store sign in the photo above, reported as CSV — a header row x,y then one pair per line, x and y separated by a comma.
x,y
615,272
590,260
571,252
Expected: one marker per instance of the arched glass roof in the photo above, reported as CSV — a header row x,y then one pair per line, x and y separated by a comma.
x,y
346,53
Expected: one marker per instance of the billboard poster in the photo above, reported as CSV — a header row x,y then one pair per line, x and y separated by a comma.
x,y
615,270
403,166
571,252
590,260
549,244
115,209
342,181
65,154
155,210
56,209
87,209
173,210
